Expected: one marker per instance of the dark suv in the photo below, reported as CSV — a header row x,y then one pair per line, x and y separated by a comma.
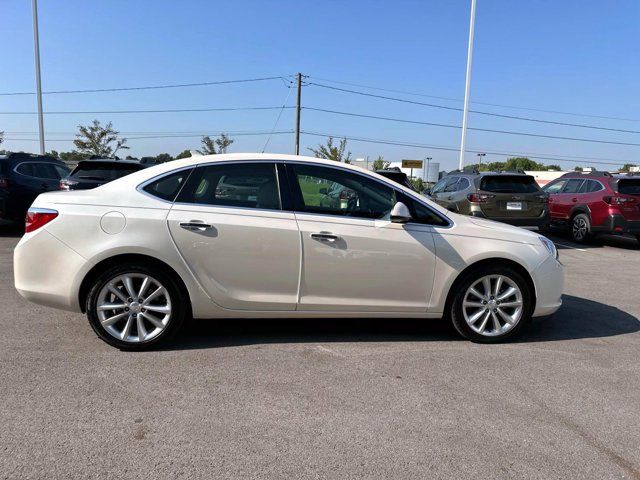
x,y
23,177
595,202
510,197
97,171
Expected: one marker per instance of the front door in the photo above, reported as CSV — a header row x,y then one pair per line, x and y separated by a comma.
x,y
241,246
354,258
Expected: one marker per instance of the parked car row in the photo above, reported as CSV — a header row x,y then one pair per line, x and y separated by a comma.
x,y
24,176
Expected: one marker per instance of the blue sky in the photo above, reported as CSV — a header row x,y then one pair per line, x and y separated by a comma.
x,y
570,56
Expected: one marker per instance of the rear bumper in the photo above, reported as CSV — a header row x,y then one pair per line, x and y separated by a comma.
x,y
540,221
618,224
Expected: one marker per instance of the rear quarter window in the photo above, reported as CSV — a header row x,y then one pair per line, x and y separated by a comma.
x,y
629,186
168,186
509,184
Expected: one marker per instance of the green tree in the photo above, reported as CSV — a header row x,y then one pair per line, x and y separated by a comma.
x,y
1,137
333,152
223,142
553,167
578,169
418,184
208,146
212,146
95,139
163,157
73,156
183,154
380,163
627,167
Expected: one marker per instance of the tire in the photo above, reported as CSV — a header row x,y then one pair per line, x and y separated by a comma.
x,y
483,328
159,316
581,228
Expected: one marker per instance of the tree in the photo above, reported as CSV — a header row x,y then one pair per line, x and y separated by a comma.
x,y
554,167
578,169
163,157
183,154
1,137
332,152
98,140
418,184
627,167
213,146
380,163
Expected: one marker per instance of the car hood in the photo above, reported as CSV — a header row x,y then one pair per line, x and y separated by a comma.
x,y
484,228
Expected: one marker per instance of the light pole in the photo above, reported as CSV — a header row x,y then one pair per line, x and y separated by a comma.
x,y
428,159
480,155
36,42
465,113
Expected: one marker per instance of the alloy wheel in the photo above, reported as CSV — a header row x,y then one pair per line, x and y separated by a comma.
x,y
579,228
134,307
493,305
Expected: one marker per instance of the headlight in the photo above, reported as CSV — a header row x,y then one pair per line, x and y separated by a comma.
x,y
549,245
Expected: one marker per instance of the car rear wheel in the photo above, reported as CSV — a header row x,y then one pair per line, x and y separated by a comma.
x,y
491,304
581,228
135,307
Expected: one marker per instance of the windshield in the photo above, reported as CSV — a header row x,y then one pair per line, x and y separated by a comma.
x,y
629,187
509,184
103,171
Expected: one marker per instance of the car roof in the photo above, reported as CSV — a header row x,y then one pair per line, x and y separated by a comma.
x,y
16,157
111,160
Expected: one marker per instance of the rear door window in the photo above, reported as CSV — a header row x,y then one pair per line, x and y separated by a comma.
x,y
45,171
451,185
573,185
629,186
555,187
509,184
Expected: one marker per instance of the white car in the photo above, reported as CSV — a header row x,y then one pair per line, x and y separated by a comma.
x,y
248,235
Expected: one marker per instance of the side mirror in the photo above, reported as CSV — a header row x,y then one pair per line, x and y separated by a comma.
x,y
400,213
323,191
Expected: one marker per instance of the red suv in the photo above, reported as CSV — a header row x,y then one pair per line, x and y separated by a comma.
x,y
595,202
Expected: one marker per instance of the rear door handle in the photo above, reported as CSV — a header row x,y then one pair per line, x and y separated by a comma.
x,y
325,237
574,199
195,226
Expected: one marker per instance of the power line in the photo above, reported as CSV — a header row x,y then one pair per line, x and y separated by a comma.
x,y
148,87
478,112
242,133
278,117
168,110
507,132
501,105
452,149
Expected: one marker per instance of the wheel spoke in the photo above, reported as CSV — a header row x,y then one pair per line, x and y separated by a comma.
x,y
496,290
496,322
114,319
473,318
516,303
473,304
505,316
142,332
117,292
483,325
127,328
486,283
157,323
144,286
128,284
154,294
111,306
158,308
510,291
477,293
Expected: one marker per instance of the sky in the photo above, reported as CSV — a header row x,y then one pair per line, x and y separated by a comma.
x,y
579,57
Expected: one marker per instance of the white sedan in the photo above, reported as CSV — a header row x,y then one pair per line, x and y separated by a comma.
x,y
262,235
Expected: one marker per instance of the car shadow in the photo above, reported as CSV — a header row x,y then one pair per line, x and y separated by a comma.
x,y
577,319
563,241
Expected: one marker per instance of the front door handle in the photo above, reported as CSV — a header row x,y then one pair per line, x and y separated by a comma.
x,y
195,226
574,200
325,237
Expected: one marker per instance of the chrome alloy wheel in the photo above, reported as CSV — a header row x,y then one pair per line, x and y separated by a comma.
x,y
579,228
493,305
134,307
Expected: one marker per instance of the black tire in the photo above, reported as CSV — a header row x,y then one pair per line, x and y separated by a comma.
x,y
455,307
579,223
180,305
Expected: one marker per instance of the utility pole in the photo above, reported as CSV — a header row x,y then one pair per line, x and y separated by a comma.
x,y
480,155
36,41
426,177
297,146
465,113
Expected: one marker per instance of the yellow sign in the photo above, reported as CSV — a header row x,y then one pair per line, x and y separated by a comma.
x,y
411,163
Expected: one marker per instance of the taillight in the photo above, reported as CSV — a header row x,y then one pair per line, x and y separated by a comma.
x,y
479,197
617,200
38,217
66,184
4,183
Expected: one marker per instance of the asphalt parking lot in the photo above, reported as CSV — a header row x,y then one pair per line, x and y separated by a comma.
x,y
332,398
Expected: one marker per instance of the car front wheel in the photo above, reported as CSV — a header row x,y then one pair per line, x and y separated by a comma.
x,y
135,307
491,304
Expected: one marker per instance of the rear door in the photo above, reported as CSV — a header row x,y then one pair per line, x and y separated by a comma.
x,y
354,258
569,197
512,196
236,236
445,197
553,191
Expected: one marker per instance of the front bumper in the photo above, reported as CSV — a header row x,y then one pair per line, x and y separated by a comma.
x,y
616,223
548,279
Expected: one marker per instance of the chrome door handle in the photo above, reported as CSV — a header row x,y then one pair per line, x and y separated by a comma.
x,y
195,226
325,237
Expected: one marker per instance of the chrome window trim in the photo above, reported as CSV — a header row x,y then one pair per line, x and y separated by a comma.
x,y
140,187
15,169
